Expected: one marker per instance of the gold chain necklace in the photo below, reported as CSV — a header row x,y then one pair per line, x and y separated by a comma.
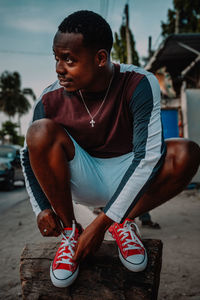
x,y
92,121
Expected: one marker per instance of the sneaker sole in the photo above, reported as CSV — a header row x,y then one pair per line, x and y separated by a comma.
x,y
62,283
131,266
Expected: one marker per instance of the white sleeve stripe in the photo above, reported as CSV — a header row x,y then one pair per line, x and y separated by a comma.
x,y
143,171
33,201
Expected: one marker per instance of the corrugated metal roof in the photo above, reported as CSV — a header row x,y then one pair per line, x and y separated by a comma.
x,y
176,53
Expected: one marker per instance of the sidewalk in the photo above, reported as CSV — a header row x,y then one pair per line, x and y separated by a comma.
x,y
180,233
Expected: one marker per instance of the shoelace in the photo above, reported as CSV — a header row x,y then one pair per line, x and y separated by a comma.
x,y
134,241
67,245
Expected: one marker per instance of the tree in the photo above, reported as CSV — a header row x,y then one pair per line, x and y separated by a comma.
x,y
119,52
10,129
13,99
184,18
120,49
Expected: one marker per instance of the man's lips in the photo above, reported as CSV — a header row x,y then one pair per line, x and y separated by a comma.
x,y
65,81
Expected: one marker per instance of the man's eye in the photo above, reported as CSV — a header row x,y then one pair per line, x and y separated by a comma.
x,y
69,60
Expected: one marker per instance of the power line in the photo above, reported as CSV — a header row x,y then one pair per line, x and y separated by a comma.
x,y
157,41
25,52
104,8
111,6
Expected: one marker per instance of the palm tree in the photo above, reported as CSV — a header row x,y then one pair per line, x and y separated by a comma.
x,y
13,98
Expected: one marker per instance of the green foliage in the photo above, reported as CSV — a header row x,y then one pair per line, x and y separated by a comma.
x,y
189,17
20,140
119,52
9,128
13,99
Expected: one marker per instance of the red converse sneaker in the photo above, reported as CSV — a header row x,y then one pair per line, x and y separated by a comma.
x,y
131,250
63,270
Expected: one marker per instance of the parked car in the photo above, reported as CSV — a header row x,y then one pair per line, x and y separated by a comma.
x,y
10,166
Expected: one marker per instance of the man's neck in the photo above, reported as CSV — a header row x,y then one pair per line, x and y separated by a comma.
x,y
104,76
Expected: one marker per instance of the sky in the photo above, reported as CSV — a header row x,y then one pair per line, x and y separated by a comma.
x,y
27,28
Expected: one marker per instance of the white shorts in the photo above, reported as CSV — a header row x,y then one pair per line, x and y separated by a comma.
x,y
94,180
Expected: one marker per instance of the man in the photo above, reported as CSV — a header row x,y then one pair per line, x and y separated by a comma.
x,y
97,137
147,222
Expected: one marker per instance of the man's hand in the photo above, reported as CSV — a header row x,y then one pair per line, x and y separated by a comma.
x,y
91,238
49,223
89,241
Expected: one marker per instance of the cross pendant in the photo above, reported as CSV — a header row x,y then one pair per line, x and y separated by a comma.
x,y
92,122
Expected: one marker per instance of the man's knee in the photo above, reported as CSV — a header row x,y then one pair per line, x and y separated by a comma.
x,y
185,156
193,151
44,134
40,133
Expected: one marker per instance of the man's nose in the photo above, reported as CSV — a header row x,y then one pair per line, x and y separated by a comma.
x,y
60,69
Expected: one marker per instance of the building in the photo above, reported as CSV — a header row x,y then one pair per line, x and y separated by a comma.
x,y
176,64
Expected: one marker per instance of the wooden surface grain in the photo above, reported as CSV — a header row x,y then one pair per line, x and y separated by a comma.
x,y
101,277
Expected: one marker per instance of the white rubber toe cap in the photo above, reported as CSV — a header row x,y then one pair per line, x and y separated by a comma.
x,y
134,263
62,274
136,259
63,278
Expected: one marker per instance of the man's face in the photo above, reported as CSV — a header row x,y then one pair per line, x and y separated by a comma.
x,y
75,64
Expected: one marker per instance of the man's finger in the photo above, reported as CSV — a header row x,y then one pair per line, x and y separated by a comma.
x,y
77,255
60,228
59,225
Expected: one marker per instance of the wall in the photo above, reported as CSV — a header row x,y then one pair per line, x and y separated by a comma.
x,y
191,118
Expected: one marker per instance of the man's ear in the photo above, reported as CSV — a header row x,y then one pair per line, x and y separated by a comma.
x,y
102,57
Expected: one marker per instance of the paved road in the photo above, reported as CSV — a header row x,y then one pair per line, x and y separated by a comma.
x,y
9,199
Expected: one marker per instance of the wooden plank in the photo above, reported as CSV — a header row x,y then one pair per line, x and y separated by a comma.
x,y
101,276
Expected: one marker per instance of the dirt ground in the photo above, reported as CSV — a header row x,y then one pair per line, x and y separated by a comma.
x,y
180,233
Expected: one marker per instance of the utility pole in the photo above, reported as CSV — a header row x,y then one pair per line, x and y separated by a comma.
x,y
177,28
149,47
128,44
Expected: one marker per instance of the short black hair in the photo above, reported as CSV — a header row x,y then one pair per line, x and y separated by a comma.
x,y
95,30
